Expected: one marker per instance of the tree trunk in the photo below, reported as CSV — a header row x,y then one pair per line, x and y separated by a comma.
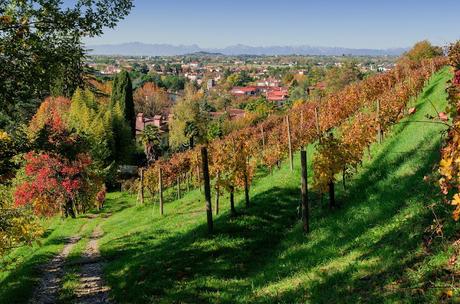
x,y
69,209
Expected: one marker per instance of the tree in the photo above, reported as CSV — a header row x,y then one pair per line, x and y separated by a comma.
x,y
188,124
151,140
122,95
151,100
122,136
339,77
423,50
58,174
18,226
54,183
89,118
41,52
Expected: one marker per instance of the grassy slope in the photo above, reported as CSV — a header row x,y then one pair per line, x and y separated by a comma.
x,y
368,250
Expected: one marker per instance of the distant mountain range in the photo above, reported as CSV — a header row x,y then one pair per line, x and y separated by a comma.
x,y
143,49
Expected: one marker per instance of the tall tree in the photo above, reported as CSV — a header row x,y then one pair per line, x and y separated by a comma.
x,y
122,94
41,52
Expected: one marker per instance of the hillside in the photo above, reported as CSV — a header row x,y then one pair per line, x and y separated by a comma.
x,y
371,249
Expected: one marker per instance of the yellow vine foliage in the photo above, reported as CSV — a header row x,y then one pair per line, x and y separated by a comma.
x,y
449,165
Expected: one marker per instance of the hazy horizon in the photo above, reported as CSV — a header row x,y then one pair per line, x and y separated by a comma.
x,y
353,24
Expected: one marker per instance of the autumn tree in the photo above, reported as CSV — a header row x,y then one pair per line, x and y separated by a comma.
x,y
151,100
423,50
57,175
18,226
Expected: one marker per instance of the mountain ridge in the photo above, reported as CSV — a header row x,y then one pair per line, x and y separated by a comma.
x,y
162,49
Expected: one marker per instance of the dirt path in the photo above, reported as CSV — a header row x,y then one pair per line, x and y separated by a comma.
x,y
48,290
92,287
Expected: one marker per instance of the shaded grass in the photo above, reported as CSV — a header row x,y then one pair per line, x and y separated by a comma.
x,y
20,271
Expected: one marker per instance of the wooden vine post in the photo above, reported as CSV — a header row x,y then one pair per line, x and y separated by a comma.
x,y
331,194
232,201
187,179
291,157
178,188
198,176
160,190
207,187
318,131
304,191
379,125
246,189
263,136
141,186
217,193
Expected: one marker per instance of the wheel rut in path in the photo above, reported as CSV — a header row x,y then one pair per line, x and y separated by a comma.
x,y
92,288
47,291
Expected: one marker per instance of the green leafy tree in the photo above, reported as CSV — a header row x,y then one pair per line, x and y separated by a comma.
x,y
189,123
339,77
122,140
122,95
41,52
151,139
88,118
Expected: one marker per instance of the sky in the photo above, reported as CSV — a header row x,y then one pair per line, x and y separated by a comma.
x,y
353,24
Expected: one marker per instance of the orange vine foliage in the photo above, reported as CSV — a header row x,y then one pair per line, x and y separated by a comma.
x,y
353,108
449,165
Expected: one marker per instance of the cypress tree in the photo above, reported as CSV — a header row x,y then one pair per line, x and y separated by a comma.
x,y
122,94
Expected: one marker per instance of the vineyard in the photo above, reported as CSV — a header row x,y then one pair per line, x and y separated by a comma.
x,y
344,125
369,248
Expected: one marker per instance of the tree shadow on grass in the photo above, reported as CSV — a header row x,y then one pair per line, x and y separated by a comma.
x,y
197,268
371,232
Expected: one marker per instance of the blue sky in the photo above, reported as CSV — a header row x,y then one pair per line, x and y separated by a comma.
x,y
352,23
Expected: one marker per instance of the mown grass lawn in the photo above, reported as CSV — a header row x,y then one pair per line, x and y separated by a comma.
x,y
371,249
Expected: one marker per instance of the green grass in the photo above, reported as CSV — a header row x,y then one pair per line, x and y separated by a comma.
x,y
19,269
371,249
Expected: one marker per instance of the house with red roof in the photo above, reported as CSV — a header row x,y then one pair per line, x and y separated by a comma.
x,y
277,95
244,91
